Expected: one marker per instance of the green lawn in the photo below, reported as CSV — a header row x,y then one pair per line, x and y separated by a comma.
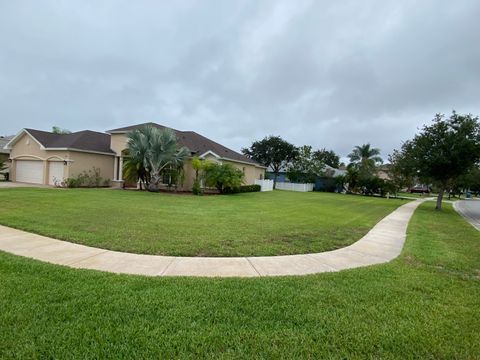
x,y
416,195
273,223
424,305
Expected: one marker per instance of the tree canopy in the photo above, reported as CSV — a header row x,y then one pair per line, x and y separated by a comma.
x,y
223,177
365,159
306,167
272,152
442,152
58,130
155,151
328,157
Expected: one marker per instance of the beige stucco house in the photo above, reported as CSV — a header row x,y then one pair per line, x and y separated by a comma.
x,y
41,157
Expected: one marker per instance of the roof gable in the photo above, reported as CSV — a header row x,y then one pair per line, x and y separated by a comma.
x,y
89,141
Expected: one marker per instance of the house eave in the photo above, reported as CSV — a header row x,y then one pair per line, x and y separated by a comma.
x,y
80,150
9,145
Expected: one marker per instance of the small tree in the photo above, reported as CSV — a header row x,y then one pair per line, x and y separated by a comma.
x,y
200,166
272,152
443,152
223,177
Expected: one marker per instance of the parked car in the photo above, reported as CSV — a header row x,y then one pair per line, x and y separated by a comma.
x,y
419,190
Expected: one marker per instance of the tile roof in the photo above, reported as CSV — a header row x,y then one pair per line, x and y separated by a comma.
x,y
195,142
82,140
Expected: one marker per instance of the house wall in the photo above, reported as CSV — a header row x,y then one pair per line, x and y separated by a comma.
x,y
118,143
81,162
251,172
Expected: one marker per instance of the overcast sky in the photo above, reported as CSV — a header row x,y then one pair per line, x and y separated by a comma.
x,y
329,74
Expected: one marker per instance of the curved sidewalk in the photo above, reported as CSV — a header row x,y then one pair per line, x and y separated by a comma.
x,y
381,244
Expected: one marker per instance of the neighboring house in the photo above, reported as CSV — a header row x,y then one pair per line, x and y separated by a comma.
x,y
383,172
41,157
322,183
5,153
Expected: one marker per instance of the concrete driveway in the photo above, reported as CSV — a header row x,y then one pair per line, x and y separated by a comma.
x,y
470,209
9,185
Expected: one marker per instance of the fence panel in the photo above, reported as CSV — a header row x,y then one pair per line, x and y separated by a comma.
x,y
267,185
294,187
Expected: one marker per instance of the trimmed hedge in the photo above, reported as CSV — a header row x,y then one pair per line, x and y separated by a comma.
x,y
243,189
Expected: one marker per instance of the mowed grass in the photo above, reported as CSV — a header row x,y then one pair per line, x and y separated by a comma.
x,y
273,223
424,305
416,195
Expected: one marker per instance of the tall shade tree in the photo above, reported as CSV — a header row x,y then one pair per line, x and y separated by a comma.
x,y
272,152
156,150
442,152
306,167
328,157
365,159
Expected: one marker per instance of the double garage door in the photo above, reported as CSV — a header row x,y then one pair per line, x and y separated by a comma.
x,y
32,171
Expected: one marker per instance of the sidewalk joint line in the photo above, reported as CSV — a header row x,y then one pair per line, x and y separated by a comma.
x,y
253,266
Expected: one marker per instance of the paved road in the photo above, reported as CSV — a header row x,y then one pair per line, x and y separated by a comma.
x,y
470,209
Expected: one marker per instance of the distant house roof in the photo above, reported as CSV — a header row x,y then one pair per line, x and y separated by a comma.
x,y
4,140
195,142
88,141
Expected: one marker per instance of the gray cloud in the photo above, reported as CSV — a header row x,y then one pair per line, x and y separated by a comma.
x,y
328,74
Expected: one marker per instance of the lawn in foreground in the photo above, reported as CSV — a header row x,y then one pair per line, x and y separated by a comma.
x,y
423,305
274,223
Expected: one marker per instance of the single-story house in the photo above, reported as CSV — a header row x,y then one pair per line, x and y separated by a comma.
x,y
383,172
41,157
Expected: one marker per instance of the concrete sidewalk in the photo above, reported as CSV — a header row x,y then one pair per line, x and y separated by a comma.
x,y
383,243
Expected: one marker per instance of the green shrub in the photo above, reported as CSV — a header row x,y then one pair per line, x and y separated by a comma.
x,y
224,177
90,179
197,189
72,183
242,189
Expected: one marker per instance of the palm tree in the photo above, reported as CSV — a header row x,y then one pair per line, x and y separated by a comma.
x,y
134,171
365,158
156,150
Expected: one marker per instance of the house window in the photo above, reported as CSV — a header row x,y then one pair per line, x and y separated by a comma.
x,y
261,176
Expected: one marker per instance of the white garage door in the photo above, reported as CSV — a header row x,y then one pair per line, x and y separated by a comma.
x,y
29,171
55,172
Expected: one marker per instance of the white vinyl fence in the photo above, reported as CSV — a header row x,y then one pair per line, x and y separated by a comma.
x,y
267,185
294,187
